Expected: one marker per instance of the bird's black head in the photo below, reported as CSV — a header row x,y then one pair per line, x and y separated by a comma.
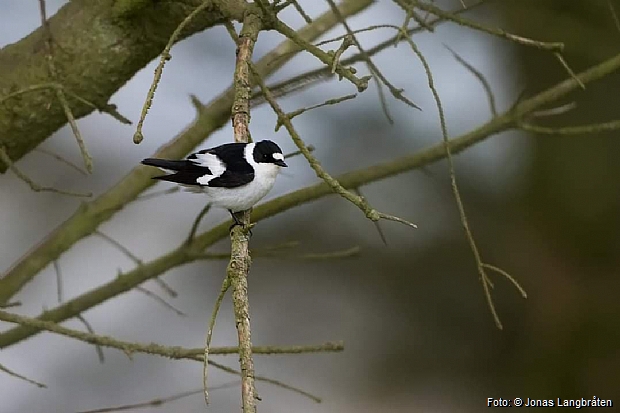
x,y
268,152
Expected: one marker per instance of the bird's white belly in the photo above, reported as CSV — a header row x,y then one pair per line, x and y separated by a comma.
x,y
240,198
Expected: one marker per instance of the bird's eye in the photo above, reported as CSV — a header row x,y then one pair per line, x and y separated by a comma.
x,y
265,156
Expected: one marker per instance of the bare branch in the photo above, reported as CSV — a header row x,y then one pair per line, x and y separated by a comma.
x,y
19,376
239,265
174,352
483,80
572,130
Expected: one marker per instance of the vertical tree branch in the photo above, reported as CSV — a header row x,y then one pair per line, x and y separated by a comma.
x,y
239,265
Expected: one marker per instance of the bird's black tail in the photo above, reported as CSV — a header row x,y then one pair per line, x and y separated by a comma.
x,y
166,164
182,172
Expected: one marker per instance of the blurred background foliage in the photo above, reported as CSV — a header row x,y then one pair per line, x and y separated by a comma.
x,y
417,331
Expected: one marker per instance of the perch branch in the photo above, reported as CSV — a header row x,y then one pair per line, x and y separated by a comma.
x,y
239,265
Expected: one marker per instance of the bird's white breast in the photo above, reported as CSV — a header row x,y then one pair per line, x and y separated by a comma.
x,y
246,196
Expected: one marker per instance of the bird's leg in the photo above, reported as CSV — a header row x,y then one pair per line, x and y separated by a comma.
x,y
234,217
237,222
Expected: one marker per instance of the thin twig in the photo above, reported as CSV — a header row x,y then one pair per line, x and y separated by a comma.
x,y
90,329
165,56
60,94
19,376
555,111
33,185
309,78
311,148
358,191
356,200
61,159
271,253
614,15
572,130
410,13
508,276
156,194
199,217
59,288
59,292
569,70
301,11
328,102
160,300
162,284
29,89
11,304
270,381
109,109
483,80
120,247
158,402
347,41
548,46
457,195
376,73
210,328
326,58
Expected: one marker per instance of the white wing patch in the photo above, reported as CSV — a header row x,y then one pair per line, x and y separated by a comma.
x,y
212,162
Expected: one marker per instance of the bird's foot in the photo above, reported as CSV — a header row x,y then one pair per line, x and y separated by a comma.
x,y
246,228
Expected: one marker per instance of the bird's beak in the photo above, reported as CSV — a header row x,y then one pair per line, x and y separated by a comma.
x,y
280,163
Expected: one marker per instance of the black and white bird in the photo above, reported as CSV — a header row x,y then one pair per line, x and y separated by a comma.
x,y
234,175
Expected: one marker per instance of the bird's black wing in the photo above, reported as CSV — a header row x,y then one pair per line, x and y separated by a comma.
x,y
231,154
238,171
232,179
